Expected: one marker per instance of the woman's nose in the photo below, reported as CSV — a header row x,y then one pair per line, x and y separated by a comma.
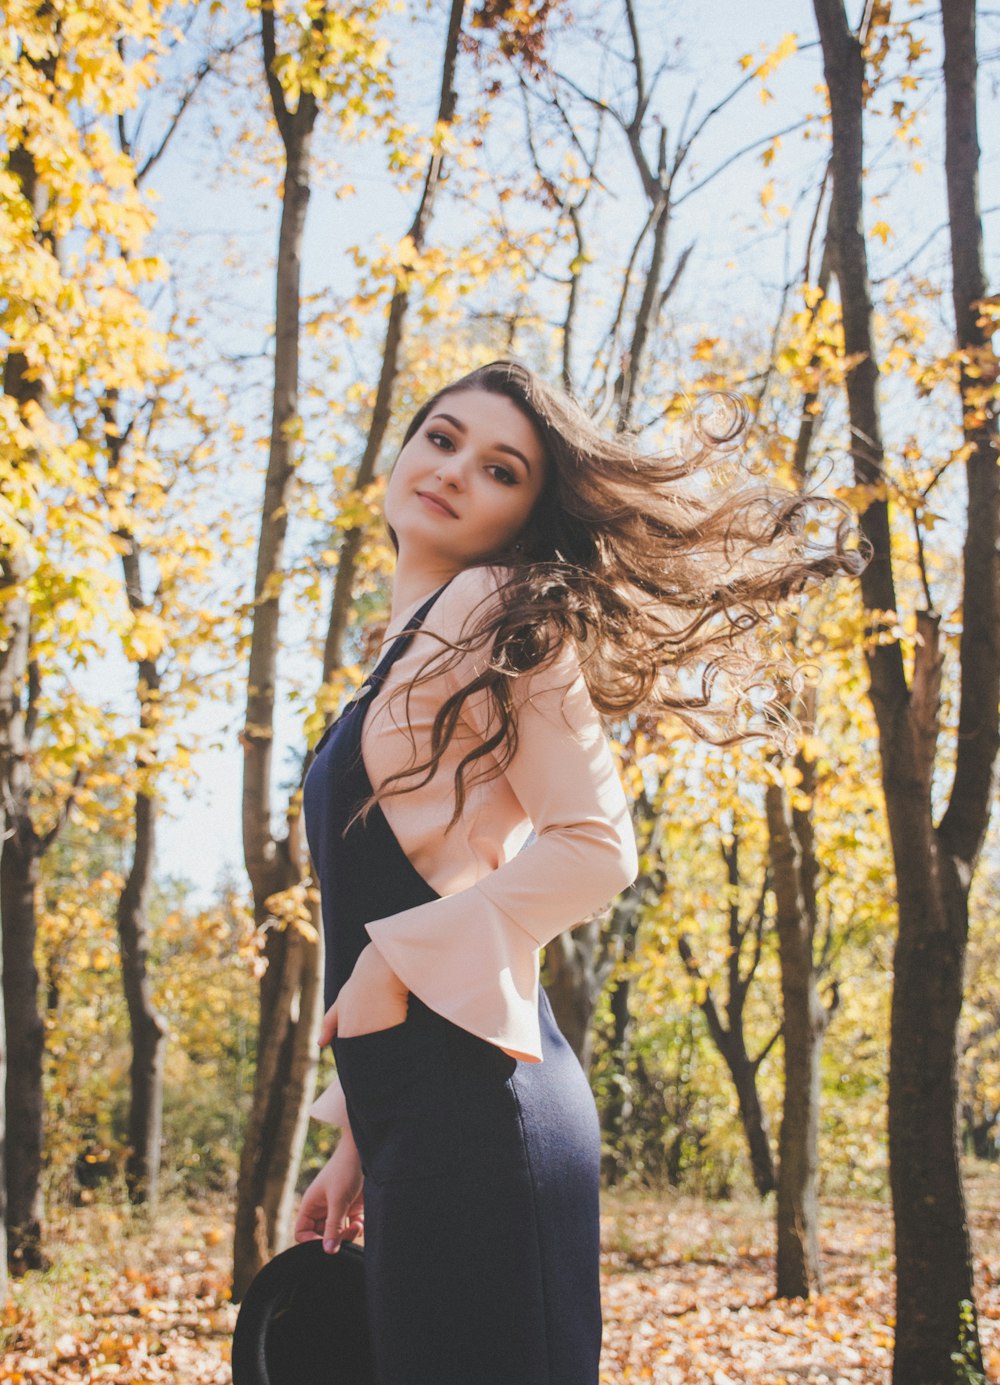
x,y
450,470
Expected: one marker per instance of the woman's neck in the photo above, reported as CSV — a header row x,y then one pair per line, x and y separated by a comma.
x,y
413,581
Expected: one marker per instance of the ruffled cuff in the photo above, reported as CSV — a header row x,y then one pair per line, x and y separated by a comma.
x,y
330,1106
472,964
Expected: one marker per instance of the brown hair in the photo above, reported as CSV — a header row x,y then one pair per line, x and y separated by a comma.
x,y
664,569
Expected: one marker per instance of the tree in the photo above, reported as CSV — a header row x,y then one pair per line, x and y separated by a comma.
x,y
622,364
389,368
936,1337
69,344
338,59
728,1031
789,806
25,390
805,1018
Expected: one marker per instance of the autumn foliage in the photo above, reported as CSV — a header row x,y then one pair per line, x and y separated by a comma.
x,y
393,195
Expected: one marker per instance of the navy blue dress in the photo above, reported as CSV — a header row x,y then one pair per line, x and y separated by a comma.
x,y
480,1171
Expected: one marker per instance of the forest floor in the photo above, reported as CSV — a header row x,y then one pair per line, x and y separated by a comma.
x,y
688,1295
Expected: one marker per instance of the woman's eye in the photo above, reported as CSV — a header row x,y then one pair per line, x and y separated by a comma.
x,y
439,439
502,474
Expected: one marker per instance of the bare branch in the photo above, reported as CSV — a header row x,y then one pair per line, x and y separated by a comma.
x,y
206,69
733,158
756,1062
675,278
43,842
612,336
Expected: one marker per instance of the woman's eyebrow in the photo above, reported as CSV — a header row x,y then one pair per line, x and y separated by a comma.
x,y
497,447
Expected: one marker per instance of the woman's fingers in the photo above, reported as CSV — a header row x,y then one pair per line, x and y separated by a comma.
x,y
311,1217
355,1217
330,1219
336,1230
333,1205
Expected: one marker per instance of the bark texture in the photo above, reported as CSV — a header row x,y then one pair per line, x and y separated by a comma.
x,y
25,1044
657,185
14,645
4,1282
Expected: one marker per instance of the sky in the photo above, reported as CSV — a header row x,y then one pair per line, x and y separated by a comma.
x,y
225,231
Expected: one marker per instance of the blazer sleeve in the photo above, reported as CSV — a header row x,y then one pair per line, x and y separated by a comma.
x,y
330,1106
473,956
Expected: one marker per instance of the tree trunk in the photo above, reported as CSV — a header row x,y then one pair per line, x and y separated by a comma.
x,y
934,866
650,304
618,1106
574,982
13,672
350,547
145,1122
4,1282
25,1045
794,870
729,1035
148,1030
278,1117
289,995
963,827
18,860
804,1022
755,1123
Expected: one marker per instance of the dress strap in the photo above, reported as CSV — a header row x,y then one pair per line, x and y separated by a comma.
x,y
375,680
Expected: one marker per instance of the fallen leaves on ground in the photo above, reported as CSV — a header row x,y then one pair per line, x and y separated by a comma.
x,y
689,1293
125,1302
688,1296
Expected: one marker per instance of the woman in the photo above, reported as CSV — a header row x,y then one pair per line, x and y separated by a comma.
x,y
545,573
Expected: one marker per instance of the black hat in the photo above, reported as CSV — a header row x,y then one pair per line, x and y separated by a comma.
x,y
303,1320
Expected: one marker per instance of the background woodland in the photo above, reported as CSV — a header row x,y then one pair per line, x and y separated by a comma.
x,y
798,1001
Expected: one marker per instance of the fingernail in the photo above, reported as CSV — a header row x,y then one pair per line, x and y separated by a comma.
x,y
331,1246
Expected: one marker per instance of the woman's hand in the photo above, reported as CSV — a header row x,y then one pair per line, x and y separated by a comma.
x,y
333,1204
373,997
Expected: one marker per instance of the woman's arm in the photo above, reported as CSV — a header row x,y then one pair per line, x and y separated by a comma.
x,y
333,1206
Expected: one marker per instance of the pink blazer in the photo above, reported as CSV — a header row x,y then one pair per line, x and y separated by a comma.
x,y
473,954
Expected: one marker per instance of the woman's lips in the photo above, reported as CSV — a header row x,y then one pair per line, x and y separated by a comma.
x,y
438,505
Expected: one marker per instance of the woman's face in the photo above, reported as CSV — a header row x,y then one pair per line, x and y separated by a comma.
x,y
464,485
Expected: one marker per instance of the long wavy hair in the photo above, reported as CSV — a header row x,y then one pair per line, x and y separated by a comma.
x,y
666,570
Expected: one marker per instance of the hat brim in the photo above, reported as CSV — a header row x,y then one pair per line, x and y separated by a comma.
x,y
303,1320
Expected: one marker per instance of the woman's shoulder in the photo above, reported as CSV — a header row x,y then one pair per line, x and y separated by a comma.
x,y
468,604
472,595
